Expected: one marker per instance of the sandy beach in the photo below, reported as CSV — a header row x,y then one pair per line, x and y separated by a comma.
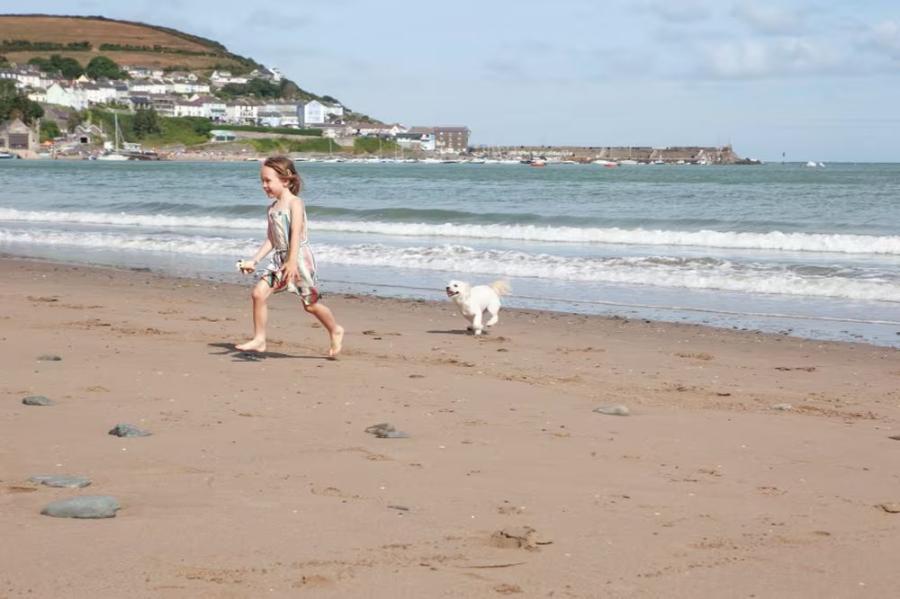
x,y
260,480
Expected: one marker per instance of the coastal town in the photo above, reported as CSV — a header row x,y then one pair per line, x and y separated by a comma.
x,y
119,113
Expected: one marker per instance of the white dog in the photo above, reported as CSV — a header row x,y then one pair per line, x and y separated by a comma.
x,y
474,301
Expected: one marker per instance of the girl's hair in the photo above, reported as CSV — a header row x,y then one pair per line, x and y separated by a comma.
x,y
284,168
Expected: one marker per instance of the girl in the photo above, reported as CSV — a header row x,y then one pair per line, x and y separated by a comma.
x,y
292,267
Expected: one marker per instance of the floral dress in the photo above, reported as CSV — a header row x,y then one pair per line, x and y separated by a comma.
x,y
279,234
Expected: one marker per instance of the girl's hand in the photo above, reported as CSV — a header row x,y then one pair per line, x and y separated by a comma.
x,y
247,266
290,272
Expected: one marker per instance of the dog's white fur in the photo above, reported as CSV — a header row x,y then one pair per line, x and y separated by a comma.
x,y
473,302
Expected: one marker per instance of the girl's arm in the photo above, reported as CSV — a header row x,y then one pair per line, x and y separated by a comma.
x,y
290,268
263,250
261,253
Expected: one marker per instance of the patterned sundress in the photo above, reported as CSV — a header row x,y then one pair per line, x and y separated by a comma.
x,y
279,234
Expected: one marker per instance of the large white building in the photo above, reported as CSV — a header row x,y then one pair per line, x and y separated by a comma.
x,y
70,96
242,112
317,113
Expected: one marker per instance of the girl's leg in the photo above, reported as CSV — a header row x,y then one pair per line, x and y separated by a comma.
x,y
259,295
335,331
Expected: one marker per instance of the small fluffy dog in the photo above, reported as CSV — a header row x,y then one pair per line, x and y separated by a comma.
x,y
474,301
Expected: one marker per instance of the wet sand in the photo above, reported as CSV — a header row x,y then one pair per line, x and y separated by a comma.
x,y
260,480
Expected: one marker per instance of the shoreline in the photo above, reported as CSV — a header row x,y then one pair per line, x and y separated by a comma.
x,y
767,322
259,477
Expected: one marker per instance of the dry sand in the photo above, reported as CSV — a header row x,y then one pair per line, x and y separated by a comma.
x,y
260,481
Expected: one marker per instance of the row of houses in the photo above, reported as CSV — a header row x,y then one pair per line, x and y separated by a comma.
x,y
184,94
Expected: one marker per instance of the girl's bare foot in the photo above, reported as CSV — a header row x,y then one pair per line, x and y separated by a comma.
x,y
337,338
257,345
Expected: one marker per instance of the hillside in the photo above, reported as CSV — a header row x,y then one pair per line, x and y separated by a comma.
x,y
123,41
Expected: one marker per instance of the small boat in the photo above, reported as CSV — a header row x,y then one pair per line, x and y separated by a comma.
x,y
537,162
812,164
115,154
606,163
7,156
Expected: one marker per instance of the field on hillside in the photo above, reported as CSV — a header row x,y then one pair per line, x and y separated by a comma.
x,y
64,30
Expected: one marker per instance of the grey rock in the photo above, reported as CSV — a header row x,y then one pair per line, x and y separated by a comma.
x,y
784,407
37,400
88,506
48,358
894,437
128,430
63,481
615,409
385,430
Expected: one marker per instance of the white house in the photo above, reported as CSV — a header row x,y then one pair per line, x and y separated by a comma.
x,y
143,72
99,93
317,113
186,87
242,112
190,108
26,76
421,138
221,78
67,96
213,108
278,115
149,86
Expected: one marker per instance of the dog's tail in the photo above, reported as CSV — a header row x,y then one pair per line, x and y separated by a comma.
x,y
501,287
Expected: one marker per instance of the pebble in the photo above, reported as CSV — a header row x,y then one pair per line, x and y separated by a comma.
x,y
891,508
37,400
63,481
49,358
88,506
613,410
895,437
128,430
784,407
385,430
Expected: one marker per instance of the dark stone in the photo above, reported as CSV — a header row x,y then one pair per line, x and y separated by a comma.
x,y
49,358
63,481
89,506
128,430
37,400
386,431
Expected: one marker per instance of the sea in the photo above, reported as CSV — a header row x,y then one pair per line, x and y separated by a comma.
x,y
781,248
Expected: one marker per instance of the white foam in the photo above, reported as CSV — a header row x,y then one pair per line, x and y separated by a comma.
x,y
693,274
136,242
700,273
773,240
125,219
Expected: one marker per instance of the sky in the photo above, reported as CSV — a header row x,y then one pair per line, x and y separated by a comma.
x,y
810,80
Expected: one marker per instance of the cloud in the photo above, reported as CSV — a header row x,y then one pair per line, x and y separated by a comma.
x,y
764,58
285,21
680,11
885,37
769,20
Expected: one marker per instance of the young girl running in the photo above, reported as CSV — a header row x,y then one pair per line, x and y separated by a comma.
x,y
292,267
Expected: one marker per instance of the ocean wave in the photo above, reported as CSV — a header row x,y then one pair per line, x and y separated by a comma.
x,y
659,271
125,219
772,241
